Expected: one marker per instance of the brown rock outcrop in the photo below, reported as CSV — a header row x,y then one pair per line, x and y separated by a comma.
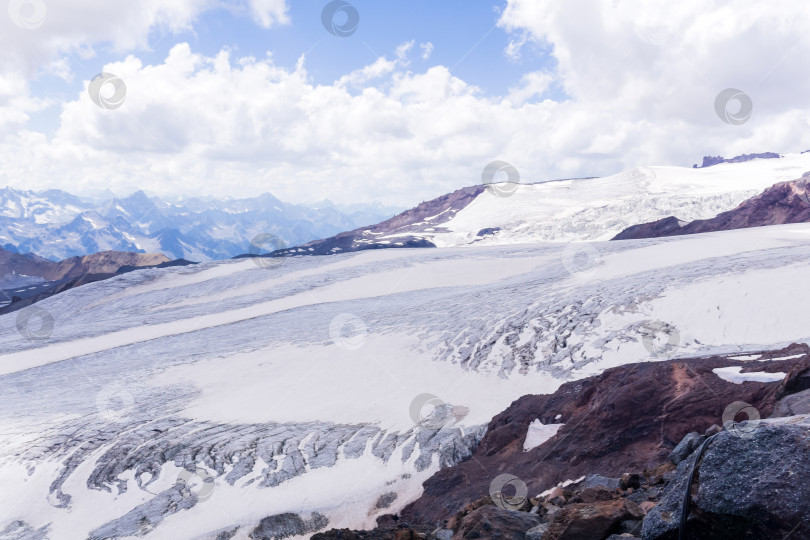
x,y
591,521
628,418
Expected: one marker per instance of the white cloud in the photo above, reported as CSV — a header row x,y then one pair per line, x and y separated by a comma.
x,y
16,105
532,85
404,49
427,50
76,26
645,74
269,13
217,124
639,86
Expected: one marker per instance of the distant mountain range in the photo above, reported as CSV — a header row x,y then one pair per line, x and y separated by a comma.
x,y
57,225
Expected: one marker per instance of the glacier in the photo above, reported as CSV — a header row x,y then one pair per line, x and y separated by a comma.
x,y
305,392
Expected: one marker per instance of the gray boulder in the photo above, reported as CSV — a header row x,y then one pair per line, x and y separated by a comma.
x,y
688,444
593,480
746,487
536,533
289,524
792,405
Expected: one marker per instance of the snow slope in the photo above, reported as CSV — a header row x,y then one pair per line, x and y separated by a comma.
x,y
197,401
599,208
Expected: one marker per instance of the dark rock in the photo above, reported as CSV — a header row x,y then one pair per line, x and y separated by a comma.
x,y
708,161
288,524
400,532
592,521
630,481
593,480
668,226
388,521
386,499
793,404
593,494
488,231
631,526
495,523
713,430
746,487
688,444
657,476
645,494
536,533
337,534
454,522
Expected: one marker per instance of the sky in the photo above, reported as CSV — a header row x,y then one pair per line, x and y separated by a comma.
x,y
234,98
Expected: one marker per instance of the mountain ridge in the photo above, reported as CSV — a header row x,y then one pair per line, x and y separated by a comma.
x,y
57,225
780,204
593,209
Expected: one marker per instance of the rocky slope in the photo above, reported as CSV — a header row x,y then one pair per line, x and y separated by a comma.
x,y
614,459
28,264
108,262
785,202
29,278
627,419
401,231
709,161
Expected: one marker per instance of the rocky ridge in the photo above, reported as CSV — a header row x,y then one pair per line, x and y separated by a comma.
x,y
785,202
620,464
44,278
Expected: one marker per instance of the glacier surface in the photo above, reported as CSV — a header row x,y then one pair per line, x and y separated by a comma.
x,y
294,394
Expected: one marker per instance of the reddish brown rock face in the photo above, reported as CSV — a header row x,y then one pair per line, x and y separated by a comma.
x,y
626,419
107,262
